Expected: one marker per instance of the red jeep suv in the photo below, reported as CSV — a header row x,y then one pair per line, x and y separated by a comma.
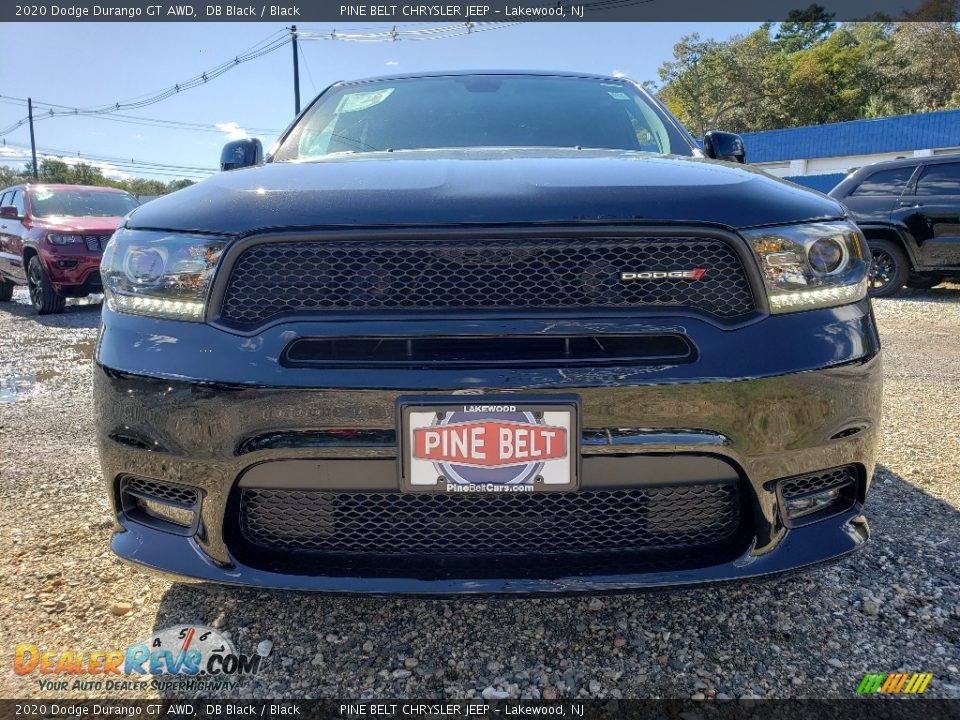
x,y
52,238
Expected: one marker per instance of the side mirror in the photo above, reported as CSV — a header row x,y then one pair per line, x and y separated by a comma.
x,y
9,211
241,154
724,146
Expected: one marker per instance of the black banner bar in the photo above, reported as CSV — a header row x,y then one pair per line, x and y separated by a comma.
x,y
456,11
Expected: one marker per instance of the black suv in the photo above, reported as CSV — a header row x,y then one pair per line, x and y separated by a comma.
x,y
487,333
909,211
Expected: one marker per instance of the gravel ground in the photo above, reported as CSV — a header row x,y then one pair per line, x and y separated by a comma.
x,y
893,606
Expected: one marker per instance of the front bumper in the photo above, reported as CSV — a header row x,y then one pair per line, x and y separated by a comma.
x,y
185,561
74,271
785,396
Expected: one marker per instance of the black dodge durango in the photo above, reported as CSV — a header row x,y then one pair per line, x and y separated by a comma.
x,y
487,332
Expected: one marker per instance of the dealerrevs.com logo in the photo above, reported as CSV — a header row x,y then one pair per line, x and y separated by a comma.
x,y
906,683
184,651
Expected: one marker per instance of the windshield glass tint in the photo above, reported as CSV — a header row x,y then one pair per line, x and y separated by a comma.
x,y
482,111
79,203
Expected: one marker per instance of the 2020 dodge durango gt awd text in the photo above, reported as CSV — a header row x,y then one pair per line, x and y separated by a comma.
x,y
487,333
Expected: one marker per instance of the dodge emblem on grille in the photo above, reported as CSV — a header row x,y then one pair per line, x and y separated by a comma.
x,y
694,274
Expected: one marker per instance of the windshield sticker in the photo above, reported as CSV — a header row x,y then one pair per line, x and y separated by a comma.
x,y
363,100
618,95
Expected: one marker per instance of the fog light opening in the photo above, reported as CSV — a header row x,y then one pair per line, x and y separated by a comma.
x,y
803,506
175,514
160,505
806,499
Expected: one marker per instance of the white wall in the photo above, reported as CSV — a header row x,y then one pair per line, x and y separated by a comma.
x,y
841,164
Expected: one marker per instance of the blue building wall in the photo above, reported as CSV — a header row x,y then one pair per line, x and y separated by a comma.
x,y
857,137
823,183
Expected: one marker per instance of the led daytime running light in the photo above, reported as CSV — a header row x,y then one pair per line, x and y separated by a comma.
x,y
819,296
148,305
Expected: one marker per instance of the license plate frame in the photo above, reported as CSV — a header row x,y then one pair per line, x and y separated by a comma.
x,y
453,415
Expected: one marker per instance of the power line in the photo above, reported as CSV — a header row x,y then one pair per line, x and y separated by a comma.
x,y
394,35
140,120
264,47
129,163
257,51
307,66
111,158
159,173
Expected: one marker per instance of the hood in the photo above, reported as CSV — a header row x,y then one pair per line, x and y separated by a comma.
x,y
457,187
93,225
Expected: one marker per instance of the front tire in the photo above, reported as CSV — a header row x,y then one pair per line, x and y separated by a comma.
x,y
889,268
6,290
46,300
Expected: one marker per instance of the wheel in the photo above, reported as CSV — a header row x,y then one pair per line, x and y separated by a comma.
x,y
46,300
889,269
922,282
6,290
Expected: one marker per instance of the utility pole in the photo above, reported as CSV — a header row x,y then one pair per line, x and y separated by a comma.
x,y
296,70
33,143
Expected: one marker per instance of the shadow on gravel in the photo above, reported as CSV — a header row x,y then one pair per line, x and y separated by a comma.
x,y
892,605
80,313
948,294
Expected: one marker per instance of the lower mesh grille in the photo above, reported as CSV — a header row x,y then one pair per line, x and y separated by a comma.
x,y
400,524
161,490
814,482
165,506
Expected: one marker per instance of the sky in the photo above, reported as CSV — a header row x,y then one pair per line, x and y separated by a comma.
x,y
94,64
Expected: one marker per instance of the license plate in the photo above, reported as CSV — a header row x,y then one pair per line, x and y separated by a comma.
x,y
474,444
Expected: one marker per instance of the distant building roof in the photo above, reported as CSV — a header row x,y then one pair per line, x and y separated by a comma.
x,y
856,137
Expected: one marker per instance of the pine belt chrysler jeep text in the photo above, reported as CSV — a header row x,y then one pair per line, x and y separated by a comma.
x,y
487,333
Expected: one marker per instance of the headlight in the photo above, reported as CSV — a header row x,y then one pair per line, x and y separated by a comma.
x,y
59,239
160,274
811,266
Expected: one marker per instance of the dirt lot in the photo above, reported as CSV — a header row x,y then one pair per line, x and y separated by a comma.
x,y
894,606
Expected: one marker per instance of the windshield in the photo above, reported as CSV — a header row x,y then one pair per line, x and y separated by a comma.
x,y
482,111
51,202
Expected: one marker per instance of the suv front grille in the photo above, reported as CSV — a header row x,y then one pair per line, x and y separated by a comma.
x,y
96,243
280,278
505,524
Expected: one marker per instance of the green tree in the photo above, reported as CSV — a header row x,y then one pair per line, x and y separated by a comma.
x,y
733,85
175,185
9,176
814,71
53,170
828,82
689,82
83,174
805,28
56,170
142,186
923,69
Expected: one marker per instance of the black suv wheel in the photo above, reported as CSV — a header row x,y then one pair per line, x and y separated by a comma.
x,y
889,270
46,300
